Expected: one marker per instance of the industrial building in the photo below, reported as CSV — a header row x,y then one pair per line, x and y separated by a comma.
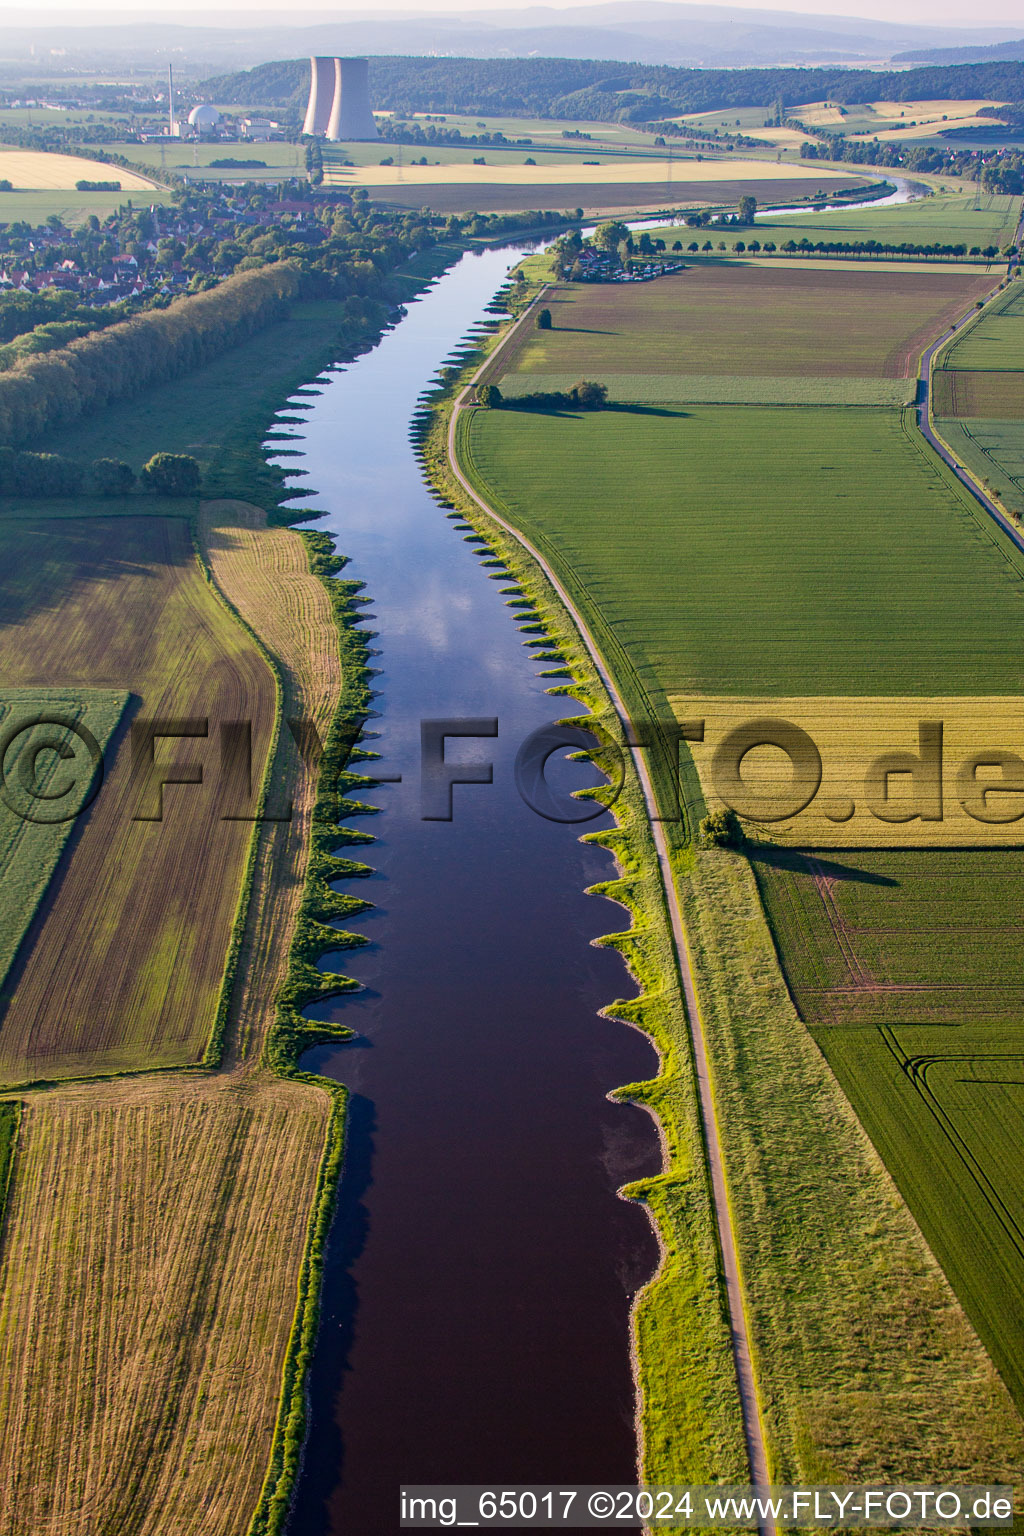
x,y
339,100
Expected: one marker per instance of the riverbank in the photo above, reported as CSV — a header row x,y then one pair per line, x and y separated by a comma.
x,y
689,1418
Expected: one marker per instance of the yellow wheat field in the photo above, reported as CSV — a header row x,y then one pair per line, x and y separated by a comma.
x,y
37,171
610,170
265,574
886,779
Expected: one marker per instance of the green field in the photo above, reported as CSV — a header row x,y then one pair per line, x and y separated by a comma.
x,y
30,843
945,1107
945,219
749,549
722,389
995,342
978,396
73,208
182,158
857,933
733,320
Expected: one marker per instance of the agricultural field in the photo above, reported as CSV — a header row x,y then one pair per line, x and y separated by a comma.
x,y
34,830
869,1365
148,1280
115,972
36,170
978,397
641,537
190,1197
851,806
995,341
943,219
72,207
926,1040
192,160
997,395
816,563
700,323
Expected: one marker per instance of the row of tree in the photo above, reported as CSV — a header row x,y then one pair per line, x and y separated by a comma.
x,y
585,395
44,392
51,474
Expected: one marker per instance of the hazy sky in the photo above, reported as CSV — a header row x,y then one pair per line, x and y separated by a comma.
x,y
960,13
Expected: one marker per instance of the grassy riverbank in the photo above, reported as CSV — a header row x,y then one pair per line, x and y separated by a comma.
x,y
689,1420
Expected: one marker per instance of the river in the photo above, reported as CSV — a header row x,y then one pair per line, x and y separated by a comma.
x,y
481,1267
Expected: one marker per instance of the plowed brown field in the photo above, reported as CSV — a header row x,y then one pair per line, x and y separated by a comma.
x,y
123,965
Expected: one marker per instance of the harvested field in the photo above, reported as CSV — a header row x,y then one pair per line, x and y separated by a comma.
x,y
999,396
33,830
264,573
858,932
122,966
38,170
733,172
850,808
752,550
148,1284
748,321
491,195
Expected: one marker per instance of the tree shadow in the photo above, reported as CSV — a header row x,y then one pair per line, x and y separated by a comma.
x,y
798,862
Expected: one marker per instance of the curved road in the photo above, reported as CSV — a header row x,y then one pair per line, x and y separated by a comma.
x,y
753,1429
924,384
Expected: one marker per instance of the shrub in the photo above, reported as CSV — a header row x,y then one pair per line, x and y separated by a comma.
x,y
721,829
111,477
172,474
38,474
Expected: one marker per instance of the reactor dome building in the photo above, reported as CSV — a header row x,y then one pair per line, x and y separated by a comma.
x,y
339,100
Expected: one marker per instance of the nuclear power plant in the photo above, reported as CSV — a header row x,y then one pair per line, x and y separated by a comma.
x,y
339,100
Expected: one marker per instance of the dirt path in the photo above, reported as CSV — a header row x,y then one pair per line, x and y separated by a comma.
x,y
753,1428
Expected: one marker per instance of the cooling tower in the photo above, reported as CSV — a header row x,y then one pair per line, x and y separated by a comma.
x,y
339,100
351,117
322,90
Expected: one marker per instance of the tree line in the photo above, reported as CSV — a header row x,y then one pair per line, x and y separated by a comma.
x,y
608,91
44,392
53,474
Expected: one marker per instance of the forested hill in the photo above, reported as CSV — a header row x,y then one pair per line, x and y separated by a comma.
x,y
578,89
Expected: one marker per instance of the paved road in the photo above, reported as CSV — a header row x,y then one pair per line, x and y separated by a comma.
x,y
753,1429
989,503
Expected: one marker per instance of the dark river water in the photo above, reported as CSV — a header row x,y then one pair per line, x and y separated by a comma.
x,y
480,1272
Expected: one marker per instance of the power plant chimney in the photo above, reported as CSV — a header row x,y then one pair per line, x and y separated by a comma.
x,y
172,127
339,100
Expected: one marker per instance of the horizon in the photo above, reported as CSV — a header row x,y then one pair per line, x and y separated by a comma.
x,y
919,13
